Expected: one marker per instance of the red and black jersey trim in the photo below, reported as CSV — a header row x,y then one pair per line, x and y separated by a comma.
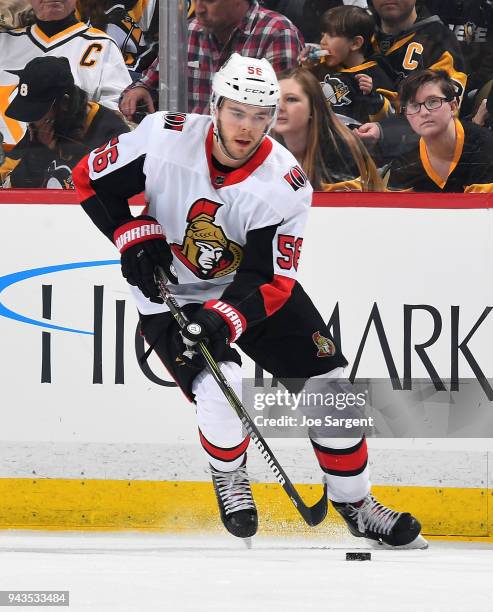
x,y
256,291
342,461
224,454
105,199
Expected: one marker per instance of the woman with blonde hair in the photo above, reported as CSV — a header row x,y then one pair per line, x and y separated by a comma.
x,y
331,155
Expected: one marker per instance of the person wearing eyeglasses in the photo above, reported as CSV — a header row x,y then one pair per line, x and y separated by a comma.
x,y
452,155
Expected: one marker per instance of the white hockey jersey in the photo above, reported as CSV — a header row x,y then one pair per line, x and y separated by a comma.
x,y
96,62
235,236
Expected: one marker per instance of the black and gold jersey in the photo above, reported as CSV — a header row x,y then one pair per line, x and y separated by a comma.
x,y
32,165
342,90
471,21
428,43
471,170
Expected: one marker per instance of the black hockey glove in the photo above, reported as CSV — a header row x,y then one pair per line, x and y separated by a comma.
x,y
143,247
216,323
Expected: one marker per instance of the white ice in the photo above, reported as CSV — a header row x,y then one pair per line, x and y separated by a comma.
x,y
151,572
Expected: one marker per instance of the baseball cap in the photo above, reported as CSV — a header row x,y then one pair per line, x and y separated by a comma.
x,y
42,81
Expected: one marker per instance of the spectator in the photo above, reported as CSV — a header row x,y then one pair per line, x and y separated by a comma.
x,y
472,23
357,88
63,126
220,28
452,156
332,157
411,40
96,62
133,25
15,14
306,14
406,41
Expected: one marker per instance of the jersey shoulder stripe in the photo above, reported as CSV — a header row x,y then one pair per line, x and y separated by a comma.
x,y
107,40
45,43
95,34
36,32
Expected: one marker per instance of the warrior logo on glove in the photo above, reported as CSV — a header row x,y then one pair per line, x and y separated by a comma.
x,y
205,249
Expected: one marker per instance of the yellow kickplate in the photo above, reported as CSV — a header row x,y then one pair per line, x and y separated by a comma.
x,y
191,506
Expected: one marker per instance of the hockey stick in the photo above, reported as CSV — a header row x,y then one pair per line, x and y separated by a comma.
x,y
312,515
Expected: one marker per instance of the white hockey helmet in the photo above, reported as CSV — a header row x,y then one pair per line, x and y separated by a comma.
x,y
247,80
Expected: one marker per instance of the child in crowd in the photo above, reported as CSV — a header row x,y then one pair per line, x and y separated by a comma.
x,y
358,88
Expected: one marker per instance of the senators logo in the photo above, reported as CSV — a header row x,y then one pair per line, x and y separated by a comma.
x,y
336,91
296,178
326,348
206,251
174,121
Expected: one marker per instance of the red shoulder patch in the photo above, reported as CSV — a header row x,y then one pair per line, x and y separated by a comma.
x,y
174,121
296,178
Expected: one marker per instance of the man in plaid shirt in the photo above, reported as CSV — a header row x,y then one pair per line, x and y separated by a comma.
x,y
220,28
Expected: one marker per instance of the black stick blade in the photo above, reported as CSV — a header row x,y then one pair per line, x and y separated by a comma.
x,y
318,512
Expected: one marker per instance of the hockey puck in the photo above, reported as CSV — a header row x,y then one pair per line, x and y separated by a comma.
x,y
358,556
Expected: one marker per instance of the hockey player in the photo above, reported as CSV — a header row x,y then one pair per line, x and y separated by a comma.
x,y
233,204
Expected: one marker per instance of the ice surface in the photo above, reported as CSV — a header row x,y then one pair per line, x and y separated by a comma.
x,y
137,572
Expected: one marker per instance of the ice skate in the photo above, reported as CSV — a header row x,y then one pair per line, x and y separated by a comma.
x,y
236,504
382,526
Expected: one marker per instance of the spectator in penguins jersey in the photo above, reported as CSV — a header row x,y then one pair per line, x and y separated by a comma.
x,y
63,125
452,155
406,40
472,23
409,39
133,25
357,88
95,60
331,155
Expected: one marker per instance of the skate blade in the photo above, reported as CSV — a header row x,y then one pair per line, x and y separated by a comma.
x,y
248,542
419,543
